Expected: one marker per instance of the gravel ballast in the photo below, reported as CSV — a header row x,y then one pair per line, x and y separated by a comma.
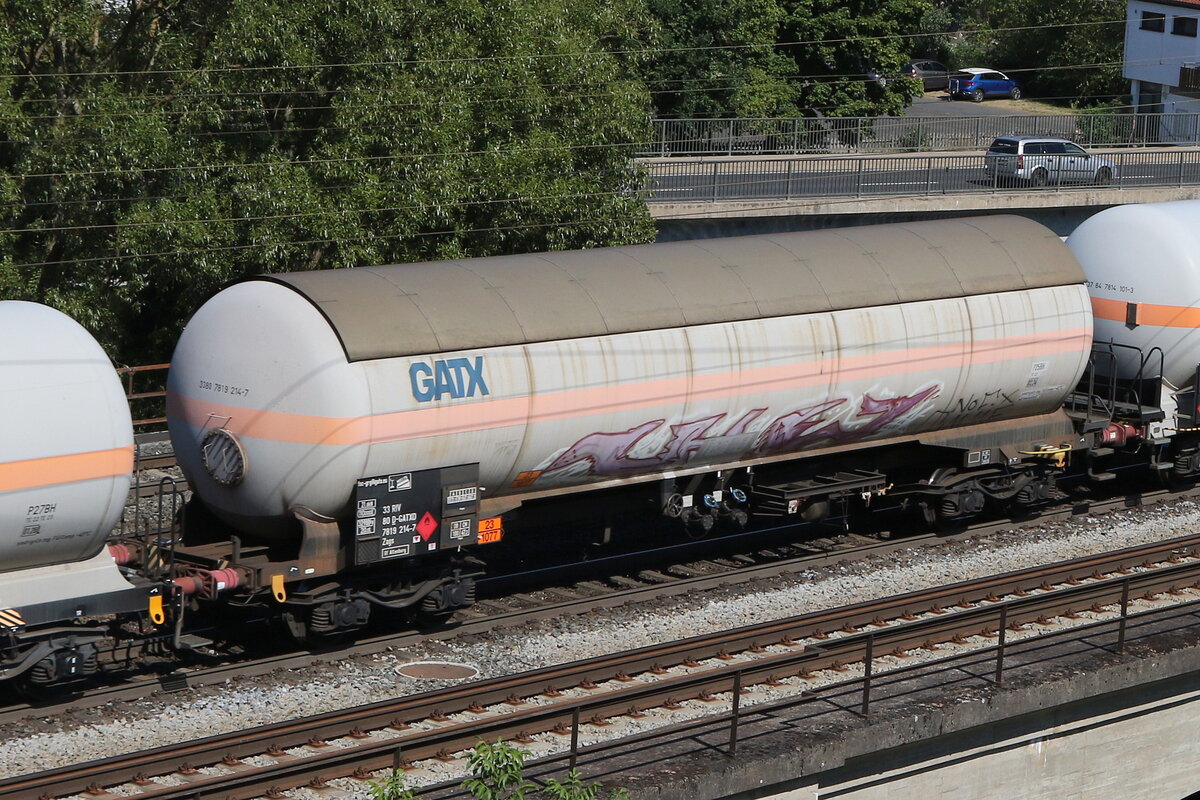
x,y
97,733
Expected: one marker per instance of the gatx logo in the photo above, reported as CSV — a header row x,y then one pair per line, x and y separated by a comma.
x,y
454,377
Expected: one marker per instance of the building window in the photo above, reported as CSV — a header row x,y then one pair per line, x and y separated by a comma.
x,y
1154,21
1183,26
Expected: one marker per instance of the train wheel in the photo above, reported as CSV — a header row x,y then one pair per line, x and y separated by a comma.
x,y
1184,472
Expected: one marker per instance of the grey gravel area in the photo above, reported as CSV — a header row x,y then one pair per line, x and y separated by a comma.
x,y
153,513
105,731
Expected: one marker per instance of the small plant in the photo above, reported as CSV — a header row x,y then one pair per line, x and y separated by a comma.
x,y
573,788
390,787
496,772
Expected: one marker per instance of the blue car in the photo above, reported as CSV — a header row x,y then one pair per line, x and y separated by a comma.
x,y
980,82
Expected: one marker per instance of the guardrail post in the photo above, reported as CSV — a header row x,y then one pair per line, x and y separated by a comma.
x,y
1181,168
713,193
1000,639
574,736
1124,617
858,178
929,176
978,132
866,704
795,136
790,164
737,704
662,138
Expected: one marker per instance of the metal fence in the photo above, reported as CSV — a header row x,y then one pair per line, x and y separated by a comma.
x,y
734,179
709,137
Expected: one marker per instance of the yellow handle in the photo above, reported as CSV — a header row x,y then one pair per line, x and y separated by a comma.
x,y
156,609
277,588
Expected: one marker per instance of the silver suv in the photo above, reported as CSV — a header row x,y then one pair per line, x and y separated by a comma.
x,y
1044,159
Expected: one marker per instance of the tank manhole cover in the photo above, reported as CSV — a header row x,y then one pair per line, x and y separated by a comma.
x,y
436,670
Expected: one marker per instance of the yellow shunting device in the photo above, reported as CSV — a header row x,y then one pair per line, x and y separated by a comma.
x,y
1056,455
157,616
277,588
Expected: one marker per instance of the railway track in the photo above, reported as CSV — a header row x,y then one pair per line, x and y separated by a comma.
x,y
508,601
829,652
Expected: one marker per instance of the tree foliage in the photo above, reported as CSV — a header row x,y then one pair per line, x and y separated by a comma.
x,y
151,151
1069,51
847,38
782,57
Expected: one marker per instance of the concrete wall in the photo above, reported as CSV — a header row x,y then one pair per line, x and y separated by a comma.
x,y
1144,752
1086,724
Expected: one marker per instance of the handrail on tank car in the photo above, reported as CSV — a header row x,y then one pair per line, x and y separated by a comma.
x,y
1127,393
127,376
1105,404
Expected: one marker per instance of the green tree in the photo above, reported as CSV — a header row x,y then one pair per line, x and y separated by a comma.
x,y
151,151
717,58
782,57
835,44
1069,51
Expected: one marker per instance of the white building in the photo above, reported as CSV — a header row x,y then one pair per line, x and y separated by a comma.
x,y
1162,62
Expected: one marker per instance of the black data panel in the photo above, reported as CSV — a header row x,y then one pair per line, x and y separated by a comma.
x,y
407,514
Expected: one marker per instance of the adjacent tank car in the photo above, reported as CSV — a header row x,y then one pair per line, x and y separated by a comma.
x,y
375,421
65,467
1143,271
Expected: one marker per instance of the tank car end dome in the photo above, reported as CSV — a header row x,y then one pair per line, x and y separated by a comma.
x,y
65,464
1142,263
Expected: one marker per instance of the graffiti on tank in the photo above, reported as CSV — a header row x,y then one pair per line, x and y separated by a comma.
x,y
829,422
611,453
808,426
977,407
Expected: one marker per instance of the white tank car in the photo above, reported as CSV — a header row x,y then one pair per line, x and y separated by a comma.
x,y
66,453
605,366
1143,269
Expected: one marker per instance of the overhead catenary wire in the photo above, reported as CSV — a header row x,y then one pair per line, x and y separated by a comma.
x,y
259,164
460,154
188,71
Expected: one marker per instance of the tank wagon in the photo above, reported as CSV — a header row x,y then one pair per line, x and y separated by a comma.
x,y
1143,273
350,432
66,456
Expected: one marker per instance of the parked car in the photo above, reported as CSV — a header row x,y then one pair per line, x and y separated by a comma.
x,y
933,74
1040,160
980,82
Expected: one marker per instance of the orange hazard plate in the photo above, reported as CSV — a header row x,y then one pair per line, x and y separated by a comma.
x,y
490,530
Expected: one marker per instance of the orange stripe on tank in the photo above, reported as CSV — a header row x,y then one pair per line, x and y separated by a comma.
x,y
1147,313
572,403
53,470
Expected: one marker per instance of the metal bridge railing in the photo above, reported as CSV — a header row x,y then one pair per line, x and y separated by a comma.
x,y
734,179
796,135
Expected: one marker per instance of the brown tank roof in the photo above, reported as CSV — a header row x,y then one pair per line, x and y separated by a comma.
x,y
441,306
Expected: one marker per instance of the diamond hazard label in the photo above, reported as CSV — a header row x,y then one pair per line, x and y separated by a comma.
x,y
426,526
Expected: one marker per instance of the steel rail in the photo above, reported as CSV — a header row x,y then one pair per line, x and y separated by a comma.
x,y
866,620
192,677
